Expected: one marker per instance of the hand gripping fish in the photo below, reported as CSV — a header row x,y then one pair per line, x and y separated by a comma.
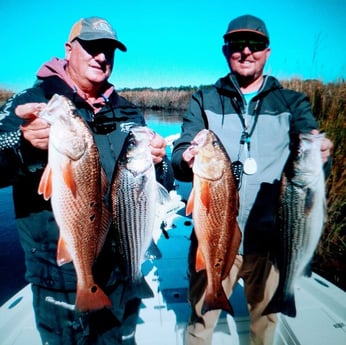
x,y
214,204
301,218
136,197
76,183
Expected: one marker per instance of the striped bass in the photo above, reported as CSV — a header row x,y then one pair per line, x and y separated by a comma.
x,y
136,196
214,204
301,217
75,182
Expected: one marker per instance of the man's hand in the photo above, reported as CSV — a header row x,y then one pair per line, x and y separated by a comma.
x,y
326,147
34,129
157,148
189,155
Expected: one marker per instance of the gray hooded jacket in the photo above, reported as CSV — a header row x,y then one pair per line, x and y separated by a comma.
x,y
272,119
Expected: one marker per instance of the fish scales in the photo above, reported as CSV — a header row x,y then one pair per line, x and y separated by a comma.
x,y
135,195
301,217
214,204
133,210
75,182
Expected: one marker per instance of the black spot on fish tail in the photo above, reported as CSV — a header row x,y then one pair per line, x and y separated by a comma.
x,y
218,263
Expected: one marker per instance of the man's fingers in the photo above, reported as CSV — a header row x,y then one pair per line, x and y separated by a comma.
x,y
35,124
29,110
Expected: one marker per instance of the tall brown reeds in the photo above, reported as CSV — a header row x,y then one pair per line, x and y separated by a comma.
x,y
159,99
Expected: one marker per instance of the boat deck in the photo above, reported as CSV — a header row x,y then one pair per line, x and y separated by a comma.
x,y
321,306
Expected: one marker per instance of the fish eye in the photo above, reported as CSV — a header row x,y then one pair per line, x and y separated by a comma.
x,y
132,140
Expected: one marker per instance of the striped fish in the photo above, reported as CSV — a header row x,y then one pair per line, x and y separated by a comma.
x,y
136,196
301,217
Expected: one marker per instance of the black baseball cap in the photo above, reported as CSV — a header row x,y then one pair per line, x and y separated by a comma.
x,y
246,23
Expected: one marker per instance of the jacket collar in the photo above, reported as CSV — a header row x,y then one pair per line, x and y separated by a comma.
x,y
228,85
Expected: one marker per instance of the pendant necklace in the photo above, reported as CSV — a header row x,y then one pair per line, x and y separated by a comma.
x,y
250,164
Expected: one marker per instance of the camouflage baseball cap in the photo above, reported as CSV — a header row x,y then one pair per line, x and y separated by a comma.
x,y
95,28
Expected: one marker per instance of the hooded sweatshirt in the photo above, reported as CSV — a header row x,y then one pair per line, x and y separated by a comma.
x,y
271,119
21,165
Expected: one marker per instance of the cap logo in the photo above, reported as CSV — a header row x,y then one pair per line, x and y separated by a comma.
x,y
102,26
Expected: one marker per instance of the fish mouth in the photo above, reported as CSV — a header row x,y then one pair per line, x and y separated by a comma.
x,y
200,139
57,107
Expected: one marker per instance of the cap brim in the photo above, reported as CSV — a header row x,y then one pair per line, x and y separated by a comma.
x,y
91,37
245,30
120,46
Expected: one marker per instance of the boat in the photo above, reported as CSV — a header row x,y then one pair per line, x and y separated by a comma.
x,y
320,320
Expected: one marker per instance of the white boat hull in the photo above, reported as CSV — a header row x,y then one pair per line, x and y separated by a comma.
x,y
321,317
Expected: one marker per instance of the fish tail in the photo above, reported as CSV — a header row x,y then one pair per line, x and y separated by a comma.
x,y
285,305
91,298
214,301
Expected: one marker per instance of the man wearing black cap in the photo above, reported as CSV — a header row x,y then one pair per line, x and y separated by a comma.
x,y
245,107
83,78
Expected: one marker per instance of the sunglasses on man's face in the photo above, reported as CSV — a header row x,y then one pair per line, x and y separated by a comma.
x,y
240,44
95,47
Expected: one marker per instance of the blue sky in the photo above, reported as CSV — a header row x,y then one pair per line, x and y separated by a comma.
x,y
175,43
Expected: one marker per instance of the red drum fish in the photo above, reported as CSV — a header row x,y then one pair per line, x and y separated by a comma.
x,y
301,218
214,204
76,183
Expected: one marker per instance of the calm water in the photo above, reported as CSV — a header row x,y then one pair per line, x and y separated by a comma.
x,y
11,254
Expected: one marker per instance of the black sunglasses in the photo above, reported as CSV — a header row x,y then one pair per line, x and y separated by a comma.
x,y
254,45
95,47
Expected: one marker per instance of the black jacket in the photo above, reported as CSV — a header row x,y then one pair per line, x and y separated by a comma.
x,y
21,165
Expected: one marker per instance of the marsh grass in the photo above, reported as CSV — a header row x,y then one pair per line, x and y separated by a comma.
x,y
329,106
160,99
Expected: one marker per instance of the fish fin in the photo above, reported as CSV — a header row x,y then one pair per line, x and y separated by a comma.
x,y
281,304
232,250
205,194
67,173
106,220
163,195
139,287
104,182
45,186
153,252
216,300
190,202
200,261
63,254
91,298
307,272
